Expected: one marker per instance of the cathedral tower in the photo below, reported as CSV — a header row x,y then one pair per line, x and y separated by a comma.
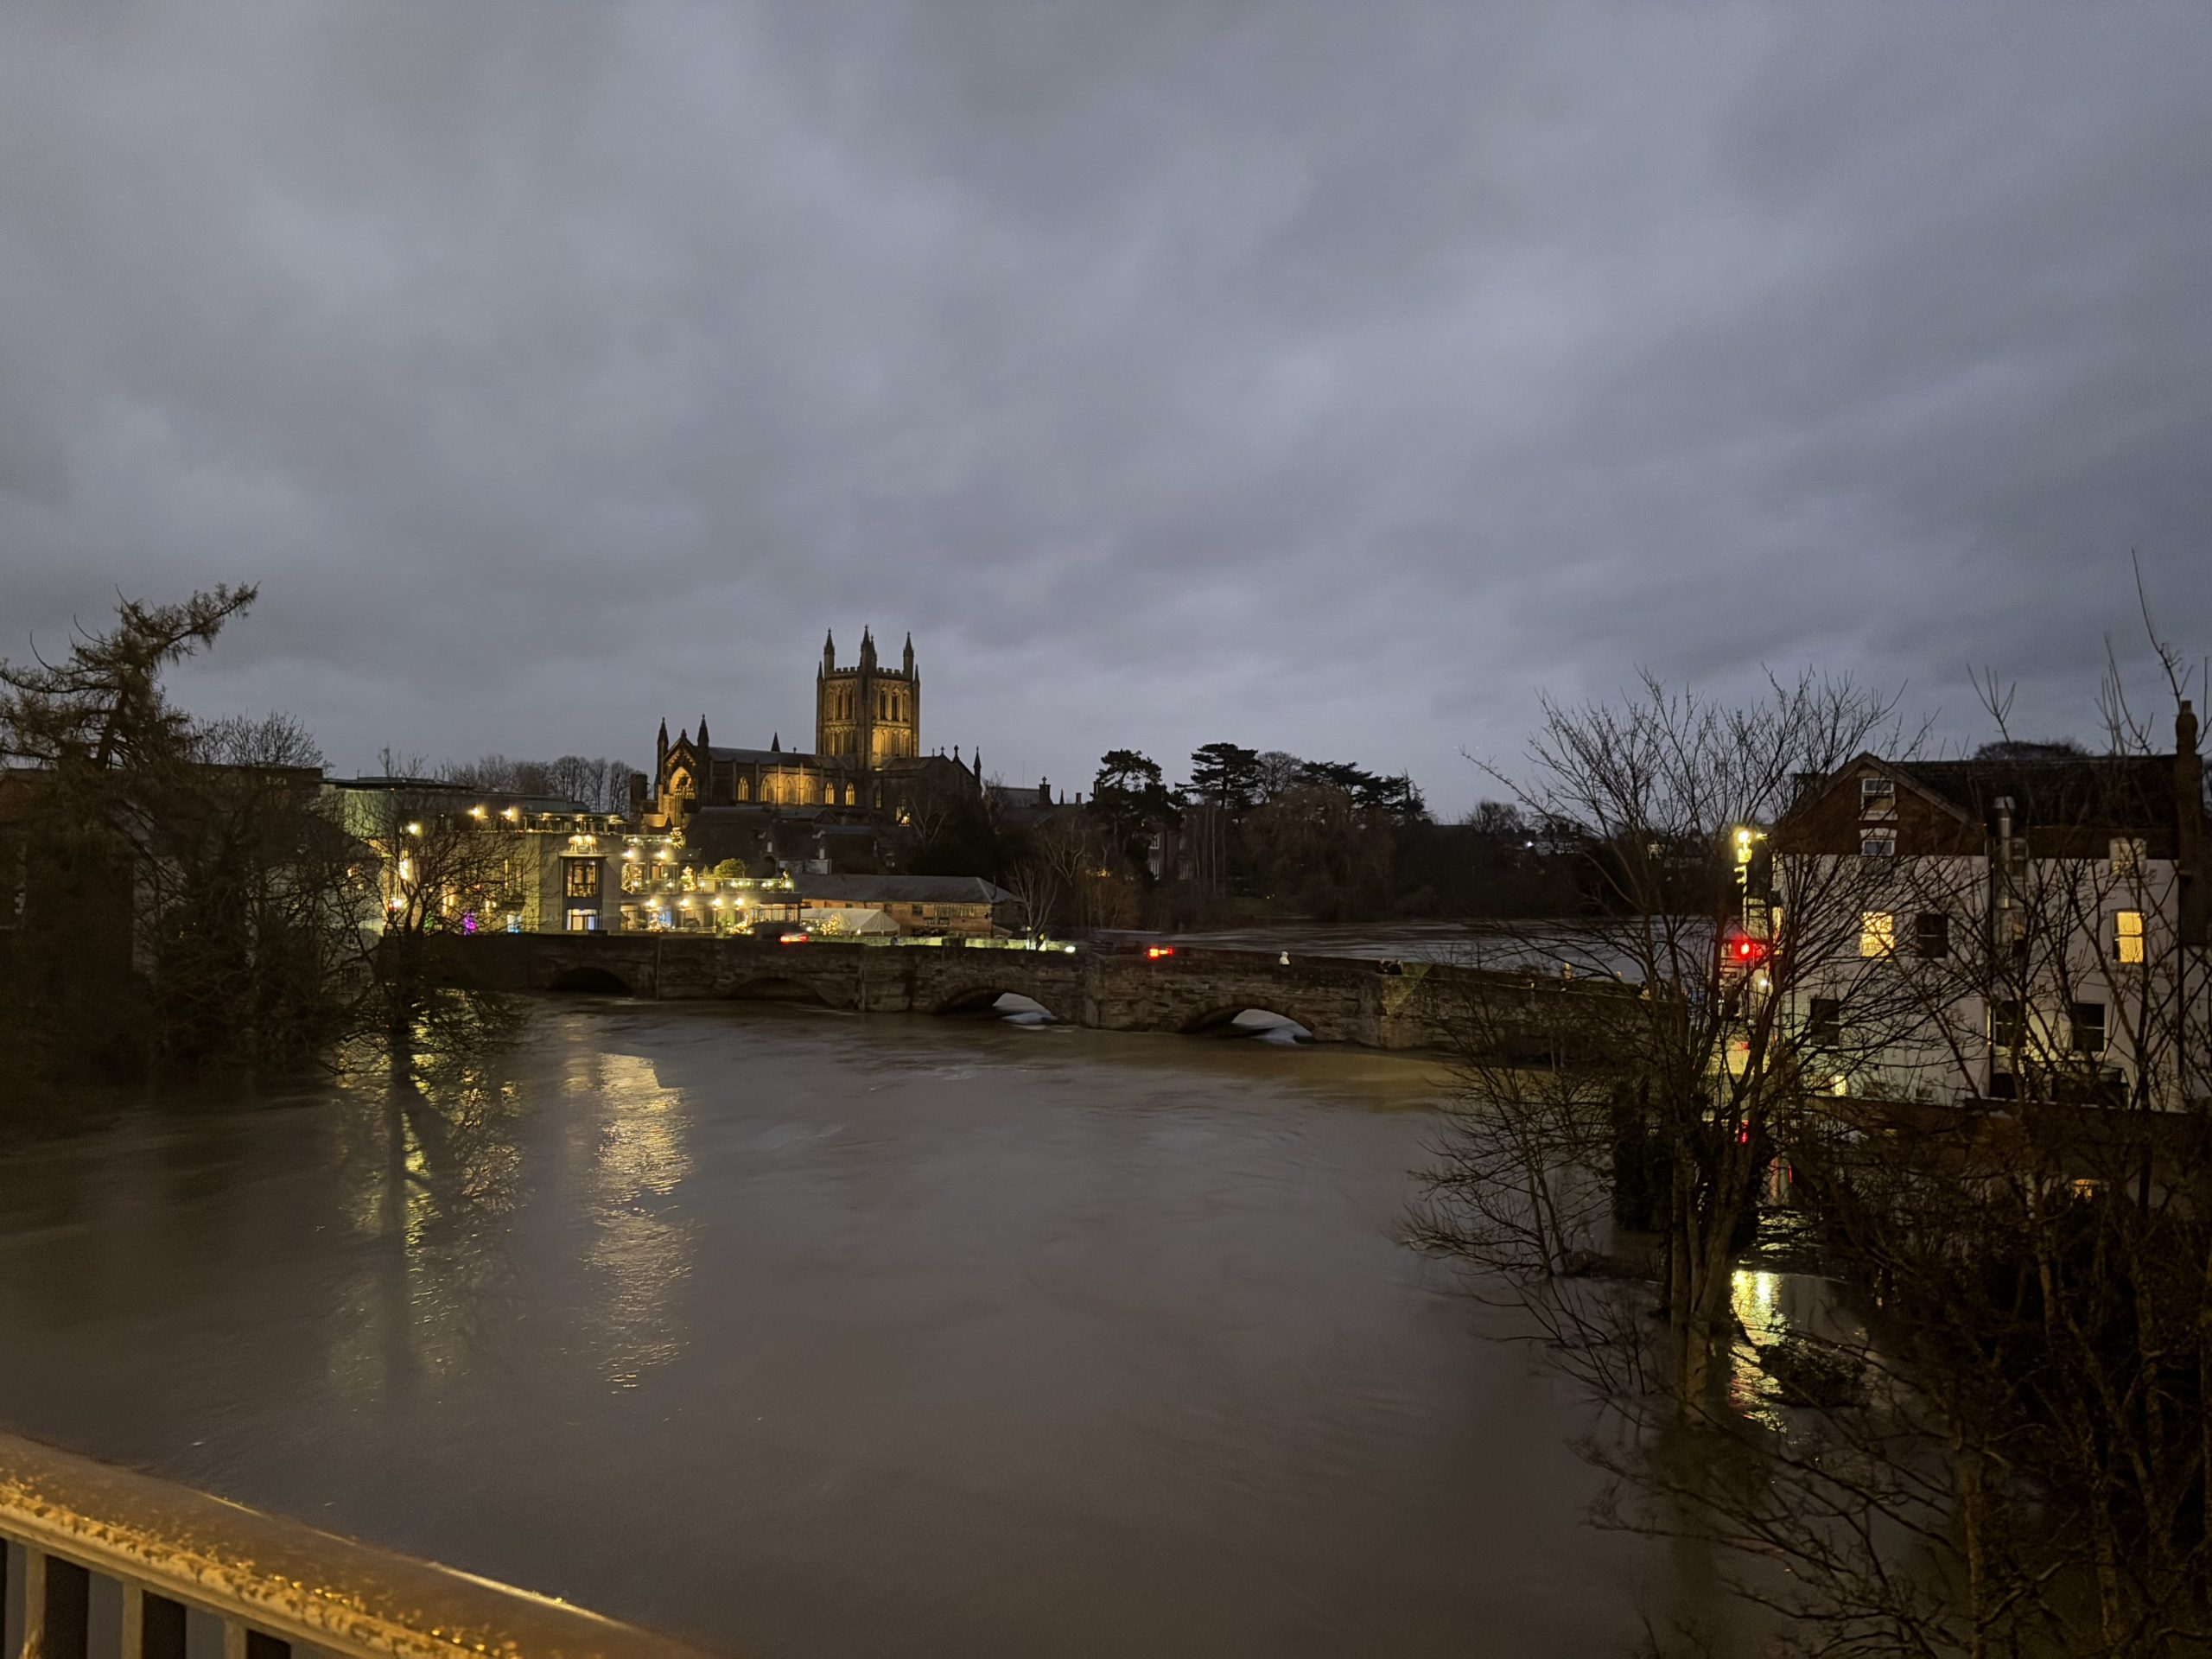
x,y
867,714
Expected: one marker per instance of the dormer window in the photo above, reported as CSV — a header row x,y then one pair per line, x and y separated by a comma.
x,y
1877,798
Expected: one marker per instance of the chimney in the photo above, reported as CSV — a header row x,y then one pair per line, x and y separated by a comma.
x,y
2196,903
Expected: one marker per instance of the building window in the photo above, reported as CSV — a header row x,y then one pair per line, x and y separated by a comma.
x,y
1931,934
2008,1031
2127,936
583,878
1824,1022
852,795
1877,933
2088,1024
1877,843
2126,858
1877,798
583,921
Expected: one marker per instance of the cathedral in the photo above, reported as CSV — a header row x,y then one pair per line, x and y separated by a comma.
x,y
867,763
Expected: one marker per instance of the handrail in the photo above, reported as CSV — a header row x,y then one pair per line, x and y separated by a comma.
x,y
273,1581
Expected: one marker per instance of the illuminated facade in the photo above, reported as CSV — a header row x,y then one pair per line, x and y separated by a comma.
x,y
868,712
503,862
867,762
2021,927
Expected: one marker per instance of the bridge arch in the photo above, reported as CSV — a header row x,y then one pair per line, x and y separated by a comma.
x,y
975,999
1223,1018
596,982
777,988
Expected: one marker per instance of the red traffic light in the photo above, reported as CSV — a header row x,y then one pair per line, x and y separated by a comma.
x,y
1742,950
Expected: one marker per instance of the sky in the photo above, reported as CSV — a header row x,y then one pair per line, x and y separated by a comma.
x,y
1305,375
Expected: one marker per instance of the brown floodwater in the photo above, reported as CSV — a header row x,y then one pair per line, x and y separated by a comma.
x,y
804,1333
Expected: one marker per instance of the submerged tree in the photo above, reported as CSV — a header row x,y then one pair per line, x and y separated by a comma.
x,y
1648,1093
1995,1442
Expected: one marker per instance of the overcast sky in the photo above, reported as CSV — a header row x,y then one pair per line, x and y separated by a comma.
x,y
1310,375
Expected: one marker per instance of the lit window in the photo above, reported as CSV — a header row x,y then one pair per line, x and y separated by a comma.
x,y
1877,843
2126,858
2127,936
1877,933
1877,798
2008,1028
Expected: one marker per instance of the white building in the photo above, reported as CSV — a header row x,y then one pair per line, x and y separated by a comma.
x,y
2030,923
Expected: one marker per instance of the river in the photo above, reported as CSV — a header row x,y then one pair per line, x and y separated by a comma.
x,y
805,1334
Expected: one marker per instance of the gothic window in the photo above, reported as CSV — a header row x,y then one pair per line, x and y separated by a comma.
x,y
745,789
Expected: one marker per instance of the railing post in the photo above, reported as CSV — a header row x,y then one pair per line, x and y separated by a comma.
x,y
57,1606
153,1626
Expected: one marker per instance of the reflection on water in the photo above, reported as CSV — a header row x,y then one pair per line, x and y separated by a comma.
x,y
639,1251
431,1169
800,1332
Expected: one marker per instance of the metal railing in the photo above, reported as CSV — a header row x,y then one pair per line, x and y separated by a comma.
x,y
275,1585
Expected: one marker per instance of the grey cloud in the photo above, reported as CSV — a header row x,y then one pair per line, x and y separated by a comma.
x,y
1313,376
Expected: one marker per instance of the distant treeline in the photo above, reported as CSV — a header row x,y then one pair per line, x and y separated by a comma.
x,y
1254,834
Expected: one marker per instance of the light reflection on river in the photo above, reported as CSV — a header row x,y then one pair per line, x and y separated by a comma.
x,y
802,1333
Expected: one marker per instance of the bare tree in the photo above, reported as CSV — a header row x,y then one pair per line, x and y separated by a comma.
x,y
436,871
1663,1095
1996,1441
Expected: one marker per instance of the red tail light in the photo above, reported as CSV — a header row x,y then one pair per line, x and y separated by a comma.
x,y
1154,952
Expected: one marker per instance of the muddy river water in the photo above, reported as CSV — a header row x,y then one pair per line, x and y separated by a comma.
x,y
804,1333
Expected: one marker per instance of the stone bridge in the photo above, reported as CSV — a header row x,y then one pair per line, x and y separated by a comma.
x,y
1339,1000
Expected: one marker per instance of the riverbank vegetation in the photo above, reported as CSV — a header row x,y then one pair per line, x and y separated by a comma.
x,y
1991,1437
1253,837
181,896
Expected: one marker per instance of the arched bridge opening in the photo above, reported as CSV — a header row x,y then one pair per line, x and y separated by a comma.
x,y
593,981
994,1001
777,988
1250,1020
